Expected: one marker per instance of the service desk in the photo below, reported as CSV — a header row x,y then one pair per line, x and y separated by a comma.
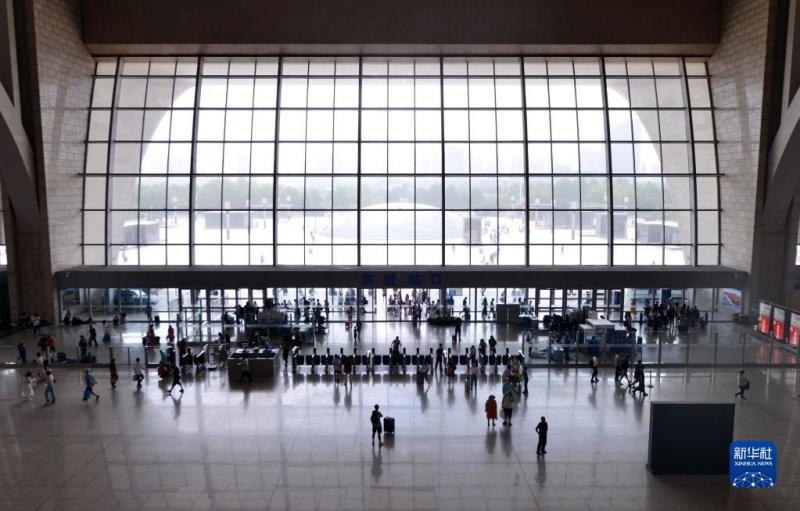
x,y
261,365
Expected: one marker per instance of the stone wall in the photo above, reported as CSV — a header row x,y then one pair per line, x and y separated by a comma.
x,y
65,71
55,82
737,71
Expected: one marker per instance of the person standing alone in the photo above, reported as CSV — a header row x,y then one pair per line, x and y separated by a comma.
x,y
491,411
375,419
541,430
49,393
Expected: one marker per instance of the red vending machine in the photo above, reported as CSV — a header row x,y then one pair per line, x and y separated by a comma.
x,y
764,309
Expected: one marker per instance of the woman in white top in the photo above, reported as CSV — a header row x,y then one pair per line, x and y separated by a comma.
x,y
27,387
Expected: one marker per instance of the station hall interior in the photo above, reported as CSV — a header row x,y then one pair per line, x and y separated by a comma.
x,y
429,254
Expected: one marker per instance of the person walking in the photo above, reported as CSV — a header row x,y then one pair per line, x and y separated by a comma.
x,y
245,368
457,335
508,407
176,379
743,383
27,387
638,380
49,391
524,367
22,354
491,411
92,335
541,430
439,359
89,383
593,364
112,367
375,419
138,373
624,365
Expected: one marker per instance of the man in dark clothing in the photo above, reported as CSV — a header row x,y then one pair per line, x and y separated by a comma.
x,y
492,345
458,329
623,371
375,419
439,358
541,429
176,378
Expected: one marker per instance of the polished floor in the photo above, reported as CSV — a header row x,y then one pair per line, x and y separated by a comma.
x,y
302,442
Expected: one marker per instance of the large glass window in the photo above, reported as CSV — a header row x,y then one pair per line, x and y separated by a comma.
x,y
401,161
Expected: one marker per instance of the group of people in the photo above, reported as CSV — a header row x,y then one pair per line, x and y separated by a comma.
x,y
667,316
621,370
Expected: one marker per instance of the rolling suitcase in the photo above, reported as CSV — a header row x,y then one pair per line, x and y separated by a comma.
x,y
388,425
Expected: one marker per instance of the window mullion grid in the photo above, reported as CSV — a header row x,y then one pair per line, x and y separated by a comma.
x,y
275,153
716,169
661,174
526,166
580,168
305,159
358,160
496,245
167,179
442,148
609,165
193,161
333,148
85,159
635,175
110,159
248,200
692,161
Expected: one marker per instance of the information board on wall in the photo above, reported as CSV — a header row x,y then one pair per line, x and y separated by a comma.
x,y
794,328
764,309
778,323
731,299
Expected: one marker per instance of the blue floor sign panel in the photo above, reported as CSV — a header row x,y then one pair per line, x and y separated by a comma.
x,y
754,464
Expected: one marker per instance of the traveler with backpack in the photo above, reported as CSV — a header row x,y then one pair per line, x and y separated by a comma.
x,y
508,407
89,383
